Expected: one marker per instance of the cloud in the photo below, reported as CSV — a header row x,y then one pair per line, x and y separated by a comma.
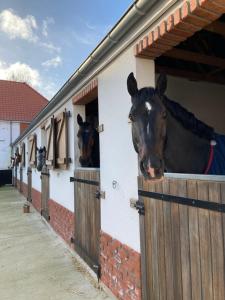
x,y
16,27
20,72
91,34
54,62
45,24
50,47
86,38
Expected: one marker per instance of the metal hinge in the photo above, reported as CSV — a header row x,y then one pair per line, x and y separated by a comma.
x,y
138,205
97,269
100,194
100,128
72,179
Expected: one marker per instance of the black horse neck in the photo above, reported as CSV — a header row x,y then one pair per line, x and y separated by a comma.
x,y
184,152
95,151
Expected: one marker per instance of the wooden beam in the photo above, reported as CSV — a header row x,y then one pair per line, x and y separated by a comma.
x,y
216,27
196,57
194,76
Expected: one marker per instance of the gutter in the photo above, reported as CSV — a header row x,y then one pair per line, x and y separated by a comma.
x,y
133,15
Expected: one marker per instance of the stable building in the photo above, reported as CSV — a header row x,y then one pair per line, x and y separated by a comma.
x,y
174,248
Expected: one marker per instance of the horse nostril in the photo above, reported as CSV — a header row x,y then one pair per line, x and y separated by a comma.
x,y
130,117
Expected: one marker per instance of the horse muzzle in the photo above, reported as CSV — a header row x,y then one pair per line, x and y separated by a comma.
x,y
151,172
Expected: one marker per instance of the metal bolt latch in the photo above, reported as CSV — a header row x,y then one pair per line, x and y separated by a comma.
x,y
100,194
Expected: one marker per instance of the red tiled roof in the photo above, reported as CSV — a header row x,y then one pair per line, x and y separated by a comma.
x,y
19,101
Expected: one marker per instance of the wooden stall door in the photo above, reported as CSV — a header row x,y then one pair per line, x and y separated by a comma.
x,y
29,184
45,192
21,180
87,216
182,239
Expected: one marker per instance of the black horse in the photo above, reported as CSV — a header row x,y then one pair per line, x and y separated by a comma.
x,y
168,137
41,158
88,143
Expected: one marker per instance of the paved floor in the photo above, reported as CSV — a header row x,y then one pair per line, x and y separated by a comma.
x,y
34,263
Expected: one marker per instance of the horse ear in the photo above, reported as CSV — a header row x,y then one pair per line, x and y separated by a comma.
x,y
79,120
161,84
132,85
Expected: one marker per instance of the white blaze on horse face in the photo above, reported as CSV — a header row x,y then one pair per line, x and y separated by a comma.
x,y
148,106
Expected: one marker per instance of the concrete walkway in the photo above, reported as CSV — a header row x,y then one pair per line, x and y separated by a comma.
x,y
34,263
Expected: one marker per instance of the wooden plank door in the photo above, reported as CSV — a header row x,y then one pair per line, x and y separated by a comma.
x,y
45,192
182,241
87,216
21,180
29,184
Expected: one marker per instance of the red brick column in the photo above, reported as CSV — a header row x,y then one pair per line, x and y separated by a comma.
x,y
120,268
61,220
36,199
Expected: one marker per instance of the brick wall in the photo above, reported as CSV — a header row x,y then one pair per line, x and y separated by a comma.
x,y
61,220
36,199
120,268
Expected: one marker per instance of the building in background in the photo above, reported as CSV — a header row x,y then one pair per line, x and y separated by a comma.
x,y
19,104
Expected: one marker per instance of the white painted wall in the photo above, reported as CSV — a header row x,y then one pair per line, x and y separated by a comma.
x,y
118,159
26,161
36,180
206,100
9,131
61,189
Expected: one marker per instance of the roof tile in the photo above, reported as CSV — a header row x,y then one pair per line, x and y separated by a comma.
x,y
19,101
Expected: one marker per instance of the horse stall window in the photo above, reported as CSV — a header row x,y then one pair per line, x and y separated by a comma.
x,y
88,136
193,104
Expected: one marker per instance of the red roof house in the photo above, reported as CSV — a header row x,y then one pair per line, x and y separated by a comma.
x,y
19,102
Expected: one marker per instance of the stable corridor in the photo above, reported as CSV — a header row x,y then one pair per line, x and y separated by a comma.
x,y
34,263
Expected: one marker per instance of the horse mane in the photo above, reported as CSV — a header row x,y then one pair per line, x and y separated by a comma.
x,y
188,120
185,117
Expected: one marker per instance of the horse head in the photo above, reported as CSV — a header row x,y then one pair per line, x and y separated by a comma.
x,y
41,158
149,117
87,140
17,158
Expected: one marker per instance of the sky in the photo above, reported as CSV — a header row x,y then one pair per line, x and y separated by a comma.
x,y
43,42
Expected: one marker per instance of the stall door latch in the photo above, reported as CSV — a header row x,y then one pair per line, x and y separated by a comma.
x,y
100,194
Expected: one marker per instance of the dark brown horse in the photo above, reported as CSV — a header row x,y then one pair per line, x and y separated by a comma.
x,y
168,137
88,143
41,158
16,159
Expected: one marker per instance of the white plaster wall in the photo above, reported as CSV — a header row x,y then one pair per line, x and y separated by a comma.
x,y
26,160
206,100
118,159
36,180
6,129
61,189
